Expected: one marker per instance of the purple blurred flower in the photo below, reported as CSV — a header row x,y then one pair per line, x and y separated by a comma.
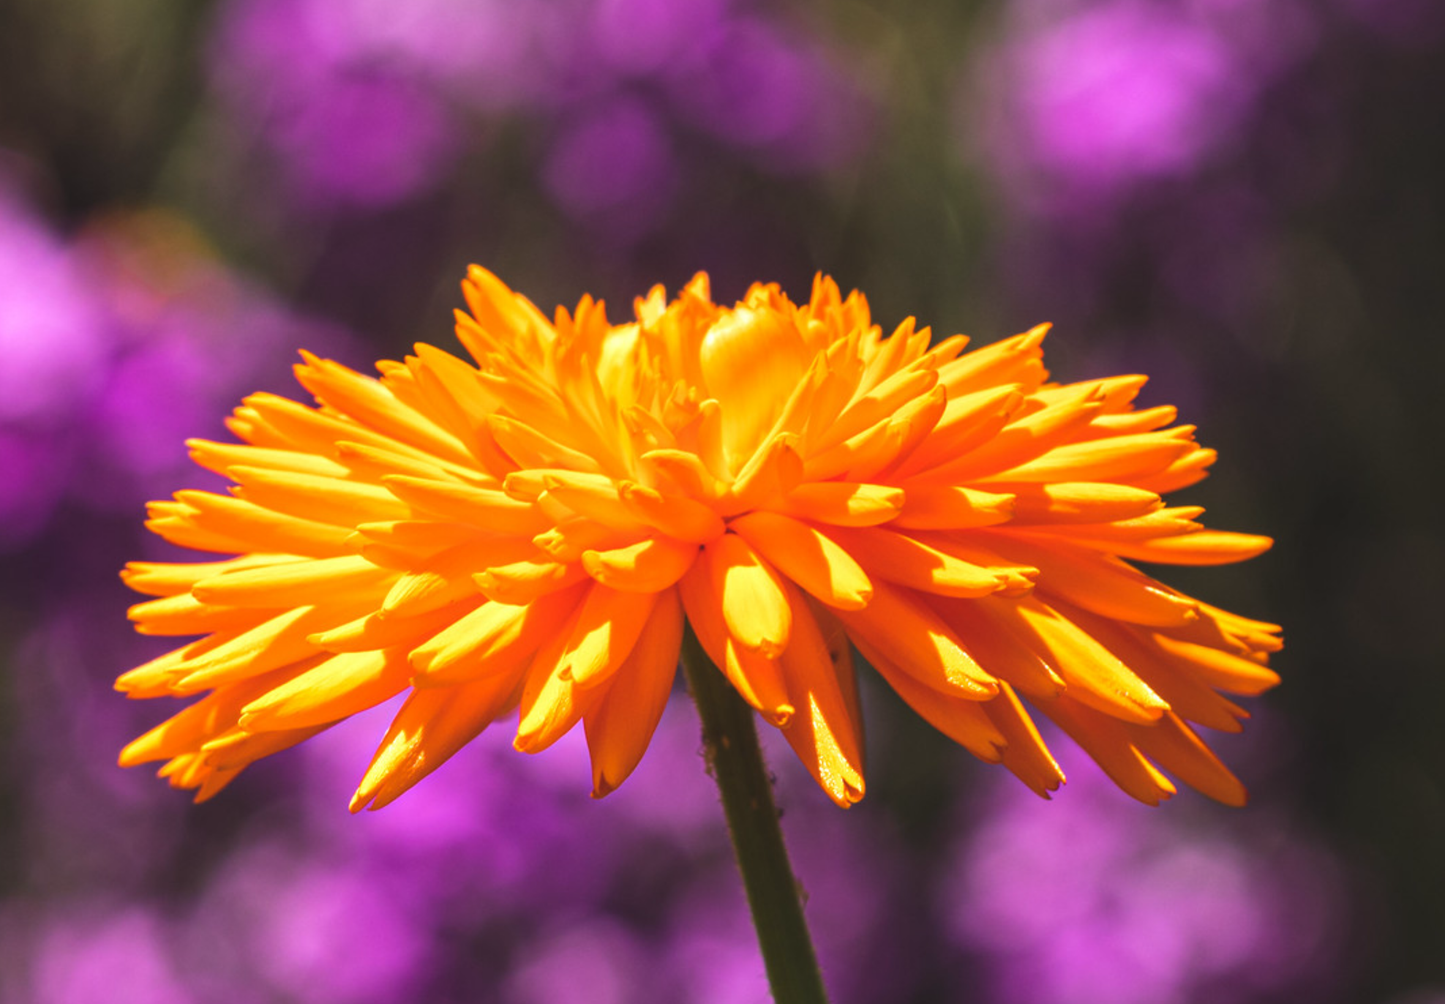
x,y
599,961
190,337
335,936
359,101
351,123
54,341
118,345
494,843
36,465
365,139
119,958
644,37
1123,91
52,334
614,162
1078,103
1111,95
763,92
481,49
83,822
714,948
670,795
310,927
1095,901
483,798
523,812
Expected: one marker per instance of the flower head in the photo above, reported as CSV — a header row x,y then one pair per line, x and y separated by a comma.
x,y
530,531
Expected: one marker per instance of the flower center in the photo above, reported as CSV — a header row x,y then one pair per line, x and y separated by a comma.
x,y
751,360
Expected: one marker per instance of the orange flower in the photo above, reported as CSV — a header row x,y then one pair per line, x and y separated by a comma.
x,y
531,531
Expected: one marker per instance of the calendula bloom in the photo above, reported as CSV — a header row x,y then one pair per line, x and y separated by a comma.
x,y
529,532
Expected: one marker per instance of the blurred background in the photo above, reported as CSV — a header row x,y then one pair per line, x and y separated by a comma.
x,y
1243,198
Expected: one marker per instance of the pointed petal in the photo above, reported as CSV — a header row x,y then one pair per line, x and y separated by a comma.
x,y
336,688
917,640
755,677
1108,742
753,604
803,554
822,732
645,567
430,727
620,727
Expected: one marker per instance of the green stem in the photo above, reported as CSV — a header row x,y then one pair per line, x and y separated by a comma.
x,y
736,764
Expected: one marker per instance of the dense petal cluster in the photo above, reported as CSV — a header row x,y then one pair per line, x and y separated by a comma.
x,y
529,532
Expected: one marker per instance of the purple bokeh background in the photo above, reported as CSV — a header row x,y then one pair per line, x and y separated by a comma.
x,y
359,111
1214,192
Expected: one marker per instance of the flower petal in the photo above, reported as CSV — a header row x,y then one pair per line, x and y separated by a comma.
x,y
918,641
809,558
429,728
621,725
823,733
753,604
